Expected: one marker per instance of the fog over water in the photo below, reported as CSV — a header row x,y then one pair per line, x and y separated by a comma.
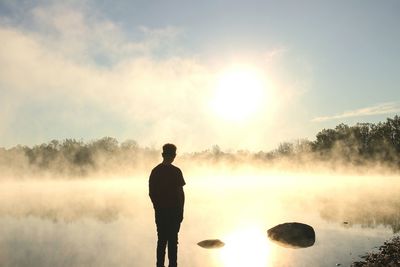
x,y
109,221
240,88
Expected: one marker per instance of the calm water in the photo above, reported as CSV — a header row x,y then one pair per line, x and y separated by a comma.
x,y
109,222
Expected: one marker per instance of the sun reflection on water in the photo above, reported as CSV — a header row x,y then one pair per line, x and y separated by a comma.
x,y
246,247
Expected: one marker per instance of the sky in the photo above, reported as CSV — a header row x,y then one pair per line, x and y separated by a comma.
x,y
237,74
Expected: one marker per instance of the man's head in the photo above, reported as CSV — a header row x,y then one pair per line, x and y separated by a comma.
x,y
169,153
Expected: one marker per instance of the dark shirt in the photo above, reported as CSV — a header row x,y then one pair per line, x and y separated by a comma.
x,y
166,187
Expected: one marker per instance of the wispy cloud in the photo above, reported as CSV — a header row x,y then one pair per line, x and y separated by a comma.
x,y
68,72
69,67
378,109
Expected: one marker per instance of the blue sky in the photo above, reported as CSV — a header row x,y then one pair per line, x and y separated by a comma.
x,y
146,70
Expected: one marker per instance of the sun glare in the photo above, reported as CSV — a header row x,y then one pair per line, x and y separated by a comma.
x,y
246,247
239,94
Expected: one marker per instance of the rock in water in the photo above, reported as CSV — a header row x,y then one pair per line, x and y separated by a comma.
x,y
211,243
294,235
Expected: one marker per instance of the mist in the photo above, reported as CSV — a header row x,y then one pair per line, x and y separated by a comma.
x,y
360,148
71,203
110,222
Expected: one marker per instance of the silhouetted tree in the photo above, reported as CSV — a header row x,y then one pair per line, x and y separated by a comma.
x,y
285,149
357,144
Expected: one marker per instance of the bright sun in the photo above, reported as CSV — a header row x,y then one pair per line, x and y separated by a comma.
x,y
239,94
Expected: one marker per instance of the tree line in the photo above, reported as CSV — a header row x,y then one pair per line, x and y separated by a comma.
x,y
360,144
75,157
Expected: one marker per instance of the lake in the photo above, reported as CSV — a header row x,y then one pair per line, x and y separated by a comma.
x,y
109,221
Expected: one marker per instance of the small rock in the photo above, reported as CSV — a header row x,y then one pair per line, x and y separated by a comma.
x,y
211,243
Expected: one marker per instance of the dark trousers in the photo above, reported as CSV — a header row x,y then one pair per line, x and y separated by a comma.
x,y
168,223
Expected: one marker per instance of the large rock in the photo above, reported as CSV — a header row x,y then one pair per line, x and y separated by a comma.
x,y
211,243
294,235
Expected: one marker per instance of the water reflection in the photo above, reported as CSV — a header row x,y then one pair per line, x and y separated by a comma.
x,y
68,201
368,209
103,215
113,219
247,246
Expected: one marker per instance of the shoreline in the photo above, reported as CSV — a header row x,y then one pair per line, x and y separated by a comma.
x,y
387,256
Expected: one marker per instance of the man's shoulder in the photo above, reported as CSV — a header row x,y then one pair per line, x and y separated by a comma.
x,y
157,167
165,167
176,168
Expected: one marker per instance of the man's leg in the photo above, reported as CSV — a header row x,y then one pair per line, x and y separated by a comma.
x,y
162,235
173,249
173,241
161,246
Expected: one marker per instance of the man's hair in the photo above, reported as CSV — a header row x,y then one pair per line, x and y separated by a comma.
x,y
169,149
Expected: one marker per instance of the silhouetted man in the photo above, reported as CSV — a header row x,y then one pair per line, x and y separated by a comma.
x,y
166,192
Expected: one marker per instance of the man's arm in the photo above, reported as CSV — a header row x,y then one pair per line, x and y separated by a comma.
x,y
151,188
181,202
181,194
